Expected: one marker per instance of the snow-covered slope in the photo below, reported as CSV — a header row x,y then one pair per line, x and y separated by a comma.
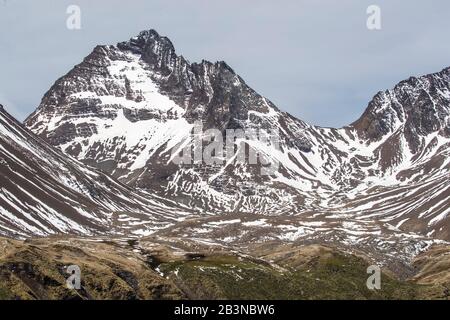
x,y
126,108
43,191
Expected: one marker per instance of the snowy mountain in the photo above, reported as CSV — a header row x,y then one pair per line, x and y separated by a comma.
x,y
128,109
42,192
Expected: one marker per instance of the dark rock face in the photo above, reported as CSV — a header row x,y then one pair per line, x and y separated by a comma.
x,y
208,92
416,104
223,96
414,110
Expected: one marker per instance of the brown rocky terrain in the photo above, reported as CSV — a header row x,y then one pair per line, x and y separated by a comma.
x,y
165,268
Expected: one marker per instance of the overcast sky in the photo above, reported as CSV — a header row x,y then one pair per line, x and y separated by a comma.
x,y
313,58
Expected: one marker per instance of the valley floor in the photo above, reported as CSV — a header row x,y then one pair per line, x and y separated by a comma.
x,y
167,268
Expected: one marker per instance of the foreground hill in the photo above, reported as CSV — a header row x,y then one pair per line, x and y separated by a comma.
x,y
152,269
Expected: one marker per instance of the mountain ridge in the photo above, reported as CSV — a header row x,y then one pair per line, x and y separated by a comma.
x,y
45,192
125,108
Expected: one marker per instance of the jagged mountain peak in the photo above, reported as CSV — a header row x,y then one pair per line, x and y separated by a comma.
x,y
160,54
417,105
148,40
156,50
205,91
